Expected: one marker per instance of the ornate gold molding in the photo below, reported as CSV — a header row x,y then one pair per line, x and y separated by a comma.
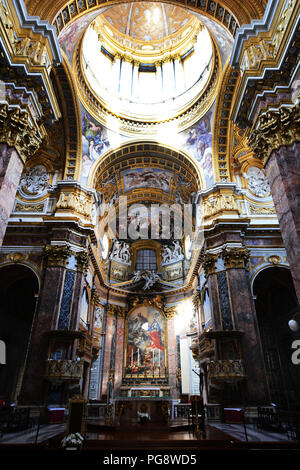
x,y
236,257
276,129
57,255
218,203
83,261
16,131
267,210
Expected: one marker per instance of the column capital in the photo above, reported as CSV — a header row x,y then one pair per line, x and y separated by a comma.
x,y
95,296
235,257
57,255
116,309
276,129
209,263
170,312
83,261
16,131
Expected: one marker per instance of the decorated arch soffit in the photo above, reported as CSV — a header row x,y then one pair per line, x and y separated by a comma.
x,y
241,12
140,184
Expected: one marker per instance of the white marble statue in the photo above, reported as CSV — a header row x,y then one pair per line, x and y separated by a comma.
x,y
120,252
137,276
150,279
177,253
98,317
115,252
171,255
125,253
166,254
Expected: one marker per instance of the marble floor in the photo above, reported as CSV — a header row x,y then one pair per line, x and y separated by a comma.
x,y
251,434
215,431
33,435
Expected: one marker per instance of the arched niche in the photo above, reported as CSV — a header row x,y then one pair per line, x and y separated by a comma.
x,y
145,354
19,288
275,299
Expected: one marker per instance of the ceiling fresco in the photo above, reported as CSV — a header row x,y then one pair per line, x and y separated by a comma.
x,y
147,21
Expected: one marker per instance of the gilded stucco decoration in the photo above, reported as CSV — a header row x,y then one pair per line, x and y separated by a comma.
x,y
57,255
236,257
275,129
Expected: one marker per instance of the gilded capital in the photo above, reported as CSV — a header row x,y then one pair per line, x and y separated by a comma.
x,y
16,131
83,261
95,296
57,255
209,263
236,257
170,312
276,129
117,310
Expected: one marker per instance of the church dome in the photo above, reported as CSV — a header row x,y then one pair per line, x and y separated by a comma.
x,y
146,62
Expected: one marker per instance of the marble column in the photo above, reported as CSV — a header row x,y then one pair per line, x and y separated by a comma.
x,y
11,167
109,332
116,72
244,320
119,355
172,351
283,172
179,74
49,304
135,81
234,319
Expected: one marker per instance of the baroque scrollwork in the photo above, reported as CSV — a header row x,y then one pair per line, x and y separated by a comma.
x,y
276,128
57,255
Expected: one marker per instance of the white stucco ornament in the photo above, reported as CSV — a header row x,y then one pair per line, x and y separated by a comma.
x,y
257,182
36,180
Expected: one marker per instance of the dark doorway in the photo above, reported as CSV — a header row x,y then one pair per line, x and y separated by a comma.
x,y
18,290
275,298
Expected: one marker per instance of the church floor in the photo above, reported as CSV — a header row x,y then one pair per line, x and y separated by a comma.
x,y
216,434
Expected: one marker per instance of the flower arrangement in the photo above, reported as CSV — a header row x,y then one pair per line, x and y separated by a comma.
x,y
72,441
